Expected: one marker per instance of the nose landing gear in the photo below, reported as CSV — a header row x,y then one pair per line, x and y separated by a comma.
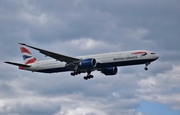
x,y
146,66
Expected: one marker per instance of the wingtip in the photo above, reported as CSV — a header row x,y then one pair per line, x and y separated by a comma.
x,y
22,44
7,62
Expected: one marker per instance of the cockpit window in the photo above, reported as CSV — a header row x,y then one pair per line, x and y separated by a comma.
x,y
153,53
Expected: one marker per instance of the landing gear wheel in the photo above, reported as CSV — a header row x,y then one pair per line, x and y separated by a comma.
x,y
85,78
88,77
91,76
146,68
73,74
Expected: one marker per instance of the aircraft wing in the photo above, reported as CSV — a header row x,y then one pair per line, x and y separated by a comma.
x,y
56,56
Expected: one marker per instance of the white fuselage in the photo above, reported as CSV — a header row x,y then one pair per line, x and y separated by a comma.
x,y
103,60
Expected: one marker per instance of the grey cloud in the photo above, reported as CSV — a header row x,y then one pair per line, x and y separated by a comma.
x,y
101,21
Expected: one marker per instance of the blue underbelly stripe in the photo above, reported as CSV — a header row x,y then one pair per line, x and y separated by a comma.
x,y
100,65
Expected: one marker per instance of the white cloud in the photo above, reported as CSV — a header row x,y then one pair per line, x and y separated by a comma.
x,y
87,43
82,111
163,88
82,46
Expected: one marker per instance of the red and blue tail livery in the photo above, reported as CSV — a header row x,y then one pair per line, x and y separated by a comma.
x,y
106,63
27,55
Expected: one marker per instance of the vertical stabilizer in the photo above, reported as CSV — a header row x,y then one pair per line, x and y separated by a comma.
x,y
27,55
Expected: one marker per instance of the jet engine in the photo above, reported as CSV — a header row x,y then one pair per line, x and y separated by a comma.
x,y
110,71
88,63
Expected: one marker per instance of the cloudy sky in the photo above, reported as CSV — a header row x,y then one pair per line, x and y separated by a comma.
x,y
82,27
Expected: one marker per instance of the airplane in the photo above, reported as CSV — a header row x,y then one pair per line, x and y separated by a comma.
x,y
106,63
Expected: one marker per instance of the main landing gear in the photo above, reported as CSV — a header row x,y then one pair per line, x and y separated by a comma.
x,y
89,76
75,73
146,66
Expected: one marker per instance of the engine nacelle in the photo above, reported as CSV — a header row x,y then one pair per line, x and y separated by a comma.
x,y
110,71
88,63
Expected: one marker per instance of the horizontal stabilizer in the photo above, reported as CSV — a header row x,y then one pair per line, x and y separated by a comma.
x,y
17,64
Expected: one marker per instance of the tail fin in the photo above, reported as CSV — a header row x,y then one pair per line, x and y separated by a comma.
x,y
27,55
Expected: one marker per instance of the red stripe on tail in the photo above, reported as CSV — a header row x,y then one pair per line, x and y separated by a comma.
x,y
24,50
31,61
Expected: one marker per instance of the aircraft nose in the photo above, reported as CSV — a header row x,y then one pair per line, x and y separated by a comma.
x,y
157,56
